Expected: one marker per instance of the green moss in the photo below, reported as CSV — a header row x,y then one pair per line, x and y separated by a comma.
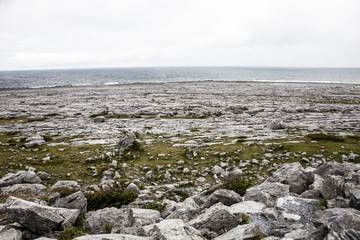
x,y
244,219
107,229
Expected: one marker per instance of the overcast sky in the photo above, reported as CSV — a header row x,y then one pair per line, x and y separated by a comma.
x,y
49,34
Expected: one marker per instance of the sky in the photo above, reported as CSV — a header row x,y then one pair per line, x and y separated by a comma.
x,y
48,34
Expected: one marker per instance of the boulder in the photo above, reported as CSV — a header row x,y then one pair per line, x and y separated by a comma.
x,y
10,233
25,188
227,197
173,229
19,177
99,119
35,118
218,171
145,216
298,234
116,218
355,199
292,174
322,217
65,184
345,226
338,202
133,188
112,237
126,141
218,220
267,192
331,168
339,223
170,207
38,218
186,210
74,201
297,209
333,187
247,207
34,141
247,231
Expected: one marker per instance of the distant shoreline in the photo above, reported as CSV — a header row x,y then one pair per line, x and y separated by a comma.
x,y
173,82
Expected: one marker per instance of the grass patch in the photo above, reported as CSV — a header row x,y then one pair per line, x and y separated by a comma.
x,y
9,120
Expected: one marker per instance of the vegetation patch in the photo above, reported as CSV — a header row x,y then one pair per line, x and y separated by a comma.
x,y
156,206
237,183
70,233
113,198
325,137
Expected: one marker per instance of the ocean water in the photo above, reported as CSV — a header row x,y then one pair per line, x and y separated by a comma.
x,y
78,77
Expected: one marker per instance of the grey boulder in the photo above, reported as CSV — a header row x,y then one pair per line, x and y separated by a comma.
x,y
126,141
74,201
247,231
25,188
10,233
133,188
112,237
355,199
267,192
292,174
19,177
145,216
226,197
39,218
216,219
65,184
173,229
116,218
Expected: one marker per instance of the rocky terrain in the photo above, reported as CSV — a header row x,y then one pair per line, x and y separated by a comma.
x,y
204,160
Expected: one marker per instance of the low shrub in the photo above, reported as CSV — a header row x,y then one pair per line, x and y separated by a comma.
x,y
325,137
156,206
70,233
237,183
113,198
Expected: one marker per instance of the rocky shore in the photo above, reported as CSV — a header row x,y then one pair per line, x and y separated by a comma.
x,y
200,160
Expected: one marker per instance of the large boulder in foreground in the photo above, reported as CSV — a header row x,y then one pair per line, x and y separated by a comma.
x,y
10,233
19,177
292,174
38,218
116,218
339,223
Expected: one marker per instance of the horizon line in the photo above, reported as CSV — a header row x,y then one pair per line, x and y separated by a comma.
x,y
177,66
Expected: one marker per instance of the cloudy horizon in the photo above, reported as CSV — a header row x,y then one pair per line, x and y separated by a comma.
x,y
42,34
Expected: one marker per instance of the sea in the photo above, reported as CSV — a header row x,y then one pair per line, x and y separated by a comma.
x,y
112,76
